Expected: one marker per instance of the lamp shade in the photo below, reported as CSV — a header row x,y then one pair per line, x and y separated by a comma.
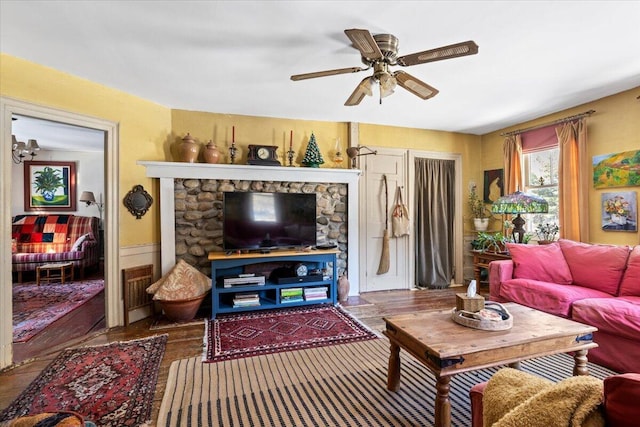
x,y
520,203
88,197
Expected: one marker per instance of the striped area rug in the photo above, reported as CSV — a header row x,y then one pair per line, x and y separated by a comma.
x,y
340,385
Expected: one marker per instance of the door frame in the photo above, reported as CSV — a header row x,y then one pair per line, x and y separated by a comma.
x,y
458,235
9,107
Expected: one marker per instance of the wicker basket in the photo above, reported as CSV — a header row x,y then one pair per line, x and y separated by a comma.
x,y
484,319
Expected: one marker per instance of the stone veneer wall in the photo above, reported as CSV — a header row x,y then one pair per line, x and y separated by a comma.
x,y
198,212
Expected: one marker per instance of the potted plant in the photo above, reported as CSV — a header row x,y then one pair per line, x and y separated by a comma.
x,y
546,233
490,242
478,211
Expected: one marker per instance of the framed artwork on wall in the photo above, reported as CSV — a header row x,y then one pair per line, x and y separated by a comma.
x,y
616,169
493,185
49,186
620,211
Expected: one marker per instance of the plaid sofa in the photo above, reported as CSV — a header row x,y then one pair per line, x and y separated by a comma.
x,y
43,239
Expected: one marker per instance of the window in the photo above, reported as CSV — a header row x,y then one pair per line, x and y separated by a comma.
x,y
541,179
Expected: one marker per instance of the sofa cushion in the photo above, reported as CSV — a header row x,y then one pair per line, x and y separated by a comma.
x,y
618,316
621,397
630,285
545,296
540,262
595,266
183,282
77,245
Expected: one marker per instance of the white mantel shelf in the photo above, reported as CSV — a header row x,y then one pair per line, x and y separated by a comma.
x,y
168,171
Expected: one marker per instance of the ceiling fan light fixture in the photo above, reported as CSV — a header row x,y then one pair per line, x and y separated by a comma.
x,y
387,84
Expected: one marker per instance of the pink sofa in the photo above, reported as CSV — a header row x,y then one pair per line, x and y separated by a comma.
x,y
598,285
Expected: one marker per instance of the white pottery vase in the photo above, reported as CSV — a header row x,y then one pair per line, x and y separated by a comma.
x,y
618,219
343,288
481,224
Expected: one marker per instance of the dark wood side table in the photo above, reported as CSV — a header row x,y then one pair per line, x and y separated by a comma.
x,y
481,261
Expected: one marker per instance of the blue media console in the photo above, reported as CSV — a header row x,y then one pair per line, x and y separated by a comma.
x,y
273,293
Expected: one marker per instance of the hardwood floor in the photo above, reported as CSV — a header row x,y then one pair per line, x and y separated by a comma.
x,y
186,341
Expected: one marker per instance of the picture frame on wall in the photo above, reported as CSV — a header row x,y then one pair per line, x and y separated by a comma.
x,y
49,186
493,185
620,211
616,169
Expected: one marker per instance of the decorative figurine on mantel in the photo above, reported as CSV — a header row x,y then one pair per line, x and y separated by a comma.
x,y
312,157
233,150
291,153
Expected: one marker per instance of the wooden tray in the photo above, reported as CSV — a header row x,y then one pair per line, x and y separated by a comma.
x,y
483,318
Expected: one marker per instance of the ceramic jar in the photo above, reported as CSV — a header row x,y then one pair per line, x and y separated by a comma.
x,y
211,153
343,288
188,149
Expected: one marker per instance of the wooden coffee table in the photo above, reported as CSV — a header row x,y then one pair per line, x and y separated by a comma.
x,y
447,348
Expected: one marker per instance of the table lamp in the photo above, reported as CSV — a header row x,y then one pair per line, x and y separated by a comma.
x,y
519,203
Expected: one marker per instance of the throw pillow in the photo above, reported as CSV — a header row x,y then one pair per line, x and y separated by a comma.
x,y
597,267
544,263
630,285
183,282
78,243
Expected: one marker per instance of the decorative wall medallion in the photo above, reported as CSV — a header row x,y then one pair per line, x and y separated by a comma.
x,y
138,201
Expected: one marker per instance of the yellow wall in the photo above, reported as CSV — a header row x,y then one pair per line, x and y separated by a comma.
x,y
144,127
152,132
613,128
204,126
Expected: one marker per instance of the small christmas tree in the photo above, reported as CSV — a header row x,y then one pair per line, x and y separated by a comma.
x,y
312,157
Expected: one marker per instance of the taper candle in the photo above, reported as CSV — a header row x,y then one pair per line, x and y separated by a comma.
x,y
233,134
291,140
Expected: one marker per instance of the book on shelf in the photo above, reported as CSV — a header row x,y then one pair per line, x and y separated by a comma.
x,y
248,299
291,299
291,292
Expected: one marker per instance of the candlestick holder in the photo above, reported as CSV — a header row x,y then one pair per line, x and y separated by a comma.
x,y
290,155
232,152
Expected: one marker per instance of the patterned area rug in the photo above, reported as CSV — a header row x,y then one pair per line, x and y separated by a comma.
x,y
263,332
340,385
111,385
36,307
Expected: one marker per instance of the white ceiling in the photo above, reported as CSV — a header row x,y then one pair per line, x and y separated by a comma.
x,y
535,57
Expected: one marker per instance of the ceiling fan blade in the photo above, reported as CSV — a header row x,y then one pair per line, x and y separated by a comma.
x,y
444,52
365,43
327,73
363,88
415,86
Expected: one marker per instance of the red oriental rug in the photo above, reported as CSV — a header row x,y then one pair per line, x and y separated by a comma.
x,y
262,332
111,385
36,307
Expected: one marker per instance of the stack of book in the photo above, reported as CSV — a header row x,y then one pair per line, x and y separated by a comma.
x,y
291,295
315,293
247,299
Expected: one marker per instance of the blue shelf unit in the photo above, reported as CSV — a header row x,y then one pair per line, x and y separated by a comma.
x,y
223,265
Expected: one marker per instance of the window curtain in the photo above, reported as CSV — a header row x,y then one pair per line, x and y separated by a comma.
x,y
573,180
435,183
513,178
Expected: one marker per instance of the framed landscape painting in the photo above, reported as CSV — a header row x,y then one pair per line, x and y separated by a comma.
x,y
49,186
616,169
620,211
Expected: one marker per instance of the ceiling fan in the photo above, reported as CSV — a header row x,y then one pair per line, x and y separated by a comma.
x,y
379,52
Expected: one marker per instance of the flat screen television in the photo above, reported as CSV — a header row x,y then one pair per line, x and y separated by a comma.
x,y
265,221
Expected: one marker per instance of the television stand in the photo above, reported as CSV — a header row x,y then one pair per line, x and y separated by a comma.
x,y
271,294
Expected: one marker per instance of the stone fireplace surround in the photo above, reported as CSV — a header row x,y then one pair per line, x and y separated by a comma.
x,y
168,172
